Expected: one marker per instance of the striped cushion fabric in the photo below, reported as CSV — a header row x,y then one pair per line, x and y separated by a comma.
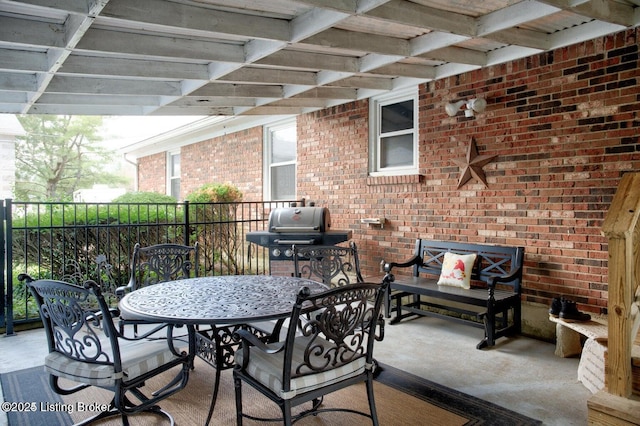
x,y
138,357
267,369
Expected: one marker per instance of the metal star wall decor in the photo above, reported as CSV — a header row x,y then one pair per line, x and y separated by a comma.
x,y
472,165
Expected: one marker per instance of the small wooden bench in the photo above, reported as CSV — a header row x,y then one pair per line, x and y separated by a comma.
x,y
592,353
492,302
568,340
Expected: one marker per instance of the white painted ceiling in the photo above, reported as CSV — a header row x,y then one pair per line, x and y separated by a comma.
x,y
265,57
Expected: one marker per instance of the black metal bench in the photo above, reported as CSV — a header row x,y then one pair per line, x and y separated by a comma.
x,y
492,302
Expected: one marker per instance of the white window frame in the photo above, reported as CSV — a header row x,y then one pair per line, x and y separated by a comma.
x,y
375,119
268,164
170,176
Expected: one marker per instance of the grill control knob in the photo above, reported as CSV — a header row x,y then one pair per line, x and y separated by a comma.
x,y
276,252
288,252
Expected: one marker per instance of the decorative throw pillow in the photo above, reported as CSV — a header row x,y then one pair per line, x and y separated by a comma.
x,y
456,270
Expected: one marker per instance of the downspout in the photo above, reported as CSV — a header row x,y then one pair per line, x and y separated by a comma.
x,y
134,164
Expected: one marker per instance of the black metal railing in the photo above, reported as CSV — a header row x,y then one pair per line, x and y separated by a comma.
x,y
59,240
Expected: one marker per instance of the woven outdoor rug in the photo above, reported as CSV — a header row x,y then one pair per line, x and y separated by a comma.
x,y
401,398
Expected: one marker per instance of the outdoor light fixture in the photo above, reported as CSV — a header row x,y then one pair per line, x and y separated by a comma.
x,y
471,107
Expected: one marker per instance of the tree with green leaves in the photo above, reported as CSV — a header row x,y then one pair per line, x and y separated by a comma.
x,y
59,155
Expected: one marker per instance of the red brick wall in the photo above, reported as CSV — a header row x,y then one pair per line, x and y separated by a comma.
x,y
564,126
152,173
235,158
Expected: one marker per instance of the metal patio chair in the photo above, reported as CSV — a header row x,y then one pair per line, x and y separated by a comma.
x,y
86,348
155,264
159,263
331,350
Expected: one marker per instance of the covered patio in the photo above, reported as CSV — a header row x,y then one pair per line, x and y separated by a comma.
x,y
560,80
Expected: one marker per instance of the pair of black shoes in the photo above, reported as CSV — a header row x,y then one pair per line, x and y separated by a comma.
x,y
567,310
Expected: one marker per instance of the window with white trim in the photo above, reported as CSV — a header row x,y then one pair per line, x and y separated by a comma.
x,y
280,161
173,174
394,133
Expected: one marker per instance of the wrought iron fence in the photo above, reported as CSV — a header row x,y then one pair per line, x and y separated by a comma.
x,y
95,241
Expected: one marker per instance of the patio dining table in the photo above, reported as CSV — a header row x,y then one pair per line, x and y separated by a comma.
x,y
222,304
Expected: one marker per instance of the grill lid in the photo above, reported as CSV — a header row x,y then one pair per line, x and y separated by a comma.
x,y
299,219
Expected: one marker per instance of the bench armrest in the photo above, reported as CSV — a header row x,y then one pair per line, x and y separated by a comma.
x,y
415,260
512,276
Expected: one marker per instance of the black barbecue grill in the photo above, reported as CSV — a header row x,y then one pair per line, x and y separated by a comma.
x,y
290,226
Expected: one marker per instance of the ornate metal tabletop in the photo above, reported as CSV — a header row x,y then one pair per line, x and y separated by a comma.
x,y
228,299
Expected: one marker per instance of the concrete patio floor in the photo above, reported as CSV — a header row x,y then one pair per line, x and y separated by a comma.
x,y
520,373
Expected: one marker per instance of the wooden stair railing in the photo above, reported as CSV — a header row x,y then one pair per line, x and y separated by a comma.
x,y
617,404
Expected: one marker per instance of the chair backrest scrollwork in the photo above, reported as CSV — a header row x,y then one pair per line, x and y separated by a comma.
x,y
335,266
162,262
72,316
341,329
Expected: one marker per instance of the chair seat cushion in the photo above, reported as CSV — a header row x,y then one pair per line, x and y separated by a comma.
x,y
267,369
138,357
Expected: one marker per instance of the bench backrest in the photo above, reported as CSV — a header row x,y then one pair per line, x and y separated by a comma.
x,y
491,261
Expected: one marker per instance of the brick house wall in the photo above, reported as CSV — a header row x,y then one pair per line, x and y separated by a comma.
x,y
152,173
564,126
235,158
